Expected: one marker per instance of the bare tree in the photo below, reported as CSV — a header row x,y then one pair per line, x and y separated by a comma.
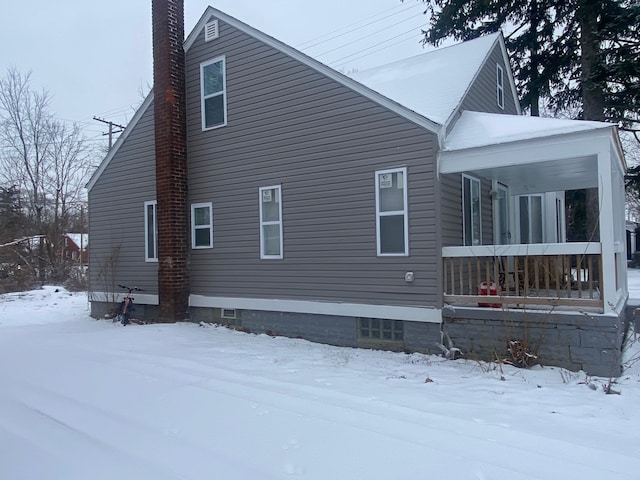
x,y
24,130
48,160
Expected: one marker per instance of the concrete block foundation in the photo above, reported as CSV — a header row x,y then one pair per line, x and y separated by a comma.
x,y
576,341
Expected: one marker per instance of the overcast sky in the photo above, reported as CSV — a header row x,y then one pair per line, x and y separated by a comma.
x,y
95,58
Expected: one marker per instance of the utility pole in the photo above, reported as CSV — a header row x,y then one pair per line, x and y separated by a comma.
x,y
111,132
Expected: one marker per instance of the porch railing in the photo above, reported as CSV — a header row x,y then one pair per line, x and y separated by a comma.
x,y
557,274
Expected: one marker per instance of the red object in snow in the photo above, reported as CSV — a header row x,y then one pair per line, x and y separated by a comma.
x,y
488,288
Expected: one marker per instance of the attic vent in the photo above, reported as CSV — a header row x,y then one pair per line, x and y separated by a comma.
x,y
211,31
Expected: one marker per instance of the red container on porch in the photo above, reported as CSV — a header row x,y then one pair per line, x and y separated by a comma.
x,y
488,288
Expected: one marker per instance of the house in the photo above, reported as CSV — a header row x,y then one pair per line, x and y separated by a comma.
x,y
76,247
264,190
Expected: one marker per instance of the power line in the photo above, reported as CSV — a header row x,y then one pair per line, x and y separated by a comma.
x,y
337,64
111,131
328,36
377,32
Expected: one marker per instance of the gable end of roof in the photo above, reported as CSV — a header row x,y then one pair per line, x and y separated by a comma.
x,y
121,139
455,114
314,64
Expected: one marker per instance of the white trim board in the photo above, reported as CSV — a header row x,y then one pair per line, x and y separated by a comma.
x,y
138,298
389,312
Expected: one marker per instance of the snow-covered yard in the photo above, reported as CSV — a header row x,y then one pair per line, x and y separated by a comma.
x,y
86,399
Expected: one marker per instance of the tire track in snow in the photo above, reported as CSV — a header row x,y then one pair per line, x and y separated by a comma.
x,y
70,419
431,430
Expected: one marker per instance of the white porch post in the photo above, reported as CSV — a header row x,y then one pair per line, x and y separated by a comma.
x,y
607,230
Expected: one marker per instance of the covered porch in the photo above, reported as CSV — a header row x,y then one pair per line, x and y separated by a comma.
x,y
531,265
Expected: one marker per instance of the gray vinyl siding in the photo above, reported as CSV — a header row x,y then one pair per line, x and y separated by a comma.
x,y
481,96
289,125
451,217
116,212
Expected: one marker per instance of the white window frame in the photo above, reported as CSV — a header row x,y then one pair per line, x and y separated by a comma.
x,y
264,223
204,97
500,86
403,212
519,219
464,226
208,205
154,204
500,201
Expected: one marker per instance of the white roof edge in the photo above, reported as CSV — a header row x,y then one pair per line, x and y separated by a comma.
x,y
620,149
512,82
456,110
316,65
191,38
503,49
278,45
129,128
608,130
193,35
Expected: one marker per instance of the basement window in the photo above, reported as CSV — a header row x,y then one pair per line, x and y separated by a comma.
x,y
202,225
380,329
213,86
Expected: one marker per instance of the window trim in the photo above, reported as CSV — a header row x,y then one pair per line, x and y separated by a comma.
x,y
464,229
147,204
264,256
204,97
530,220
209,205
404,212
500,86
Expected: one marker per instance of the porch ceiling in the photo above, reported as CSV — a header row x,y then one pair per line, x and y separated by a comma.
x,y
529,155
550,176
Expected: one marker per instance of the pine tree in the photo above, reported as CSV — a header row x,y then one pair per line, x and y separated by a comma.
x,y
9,214
582,53
572,53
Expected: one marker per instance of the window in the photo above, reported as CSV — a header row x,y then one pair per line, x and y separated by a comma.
x,y
151,231
270,222
500,86
379,329
202,225
213,85
471,213
530,213
391,212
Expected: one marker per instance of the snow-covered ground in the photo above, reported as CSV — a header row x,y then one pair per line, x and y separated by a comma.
x,y
84,399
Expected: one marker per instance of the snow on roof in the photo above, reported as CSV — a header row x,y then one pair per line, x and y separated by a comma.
x,y
433,83
79,239
478,129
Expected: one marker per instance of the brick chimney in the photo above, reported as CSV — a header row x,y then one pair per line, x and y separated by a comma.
x,y
171,158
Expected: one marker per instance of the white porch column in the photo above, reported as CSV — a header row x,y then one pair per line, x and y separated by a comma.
x,y
607,230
